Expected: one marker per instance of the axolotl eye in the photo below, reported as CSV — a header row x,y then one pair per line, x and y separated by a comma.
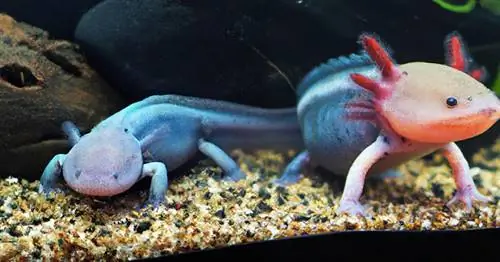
x,y
451,102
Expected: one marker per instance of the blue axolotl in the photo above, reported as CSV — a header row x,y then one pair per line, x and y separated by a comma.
x,y
159,134
365,115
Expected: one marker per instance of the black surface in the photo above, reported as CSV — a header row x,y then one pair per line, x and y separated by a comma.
x,y
58,17
481,245
193,48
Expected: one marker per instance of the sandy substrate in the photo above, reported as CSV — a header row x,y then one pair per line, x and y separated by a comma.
x,y
203,212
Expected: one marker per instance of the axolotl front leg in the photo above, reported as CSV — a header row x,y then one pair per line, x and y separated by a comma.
x,y
158,170
53,171
390,144
53,174
159,182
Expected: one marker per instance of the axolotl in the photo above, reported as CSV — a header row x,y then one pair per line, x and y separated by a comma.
x,y
160,133
364,115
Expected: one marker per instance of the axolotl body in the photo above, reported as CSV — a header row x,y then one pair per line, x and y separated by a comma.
x,y
364,115
160,133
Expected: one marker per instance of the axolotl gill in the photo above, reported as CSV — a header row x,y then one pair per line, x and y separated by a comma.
x,y
364,115
160,133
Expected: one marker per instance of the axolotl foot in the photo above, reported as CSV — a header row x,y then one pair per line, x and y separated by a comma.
x,y
467,197
234,175
351,207
287,179
292,173
467,191
46,191
155,203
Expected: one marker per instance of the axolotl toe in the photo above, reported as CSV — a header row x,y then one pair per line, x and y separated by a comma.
x,y
365,115
161,133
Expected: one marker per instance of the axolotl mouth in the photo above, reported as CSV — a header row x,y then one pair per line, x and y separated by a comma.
x,y
468,126
494,113
98,185
460,127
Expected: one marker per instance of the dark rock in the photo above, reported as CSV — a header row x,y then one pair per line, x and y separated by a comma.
x,y
58,17
219,49
43,83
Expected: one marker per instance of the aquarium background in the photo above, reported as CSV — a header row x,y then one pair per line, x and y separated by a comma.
x,y
251,52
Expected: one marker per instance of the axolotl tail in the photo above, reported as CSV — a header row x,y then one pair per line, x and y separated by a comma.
x,y
231,125
251,128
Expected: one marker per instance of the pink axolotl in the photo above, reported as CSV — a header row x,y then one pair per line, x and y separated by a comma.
x,y
365,115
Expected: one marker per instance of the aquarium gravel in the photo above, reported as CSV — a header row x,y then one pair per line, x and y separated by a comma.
x,y
204,212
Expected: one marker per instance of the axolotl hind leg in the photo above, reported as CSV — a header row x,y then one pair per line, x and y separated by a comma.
x,y
292,172
222,159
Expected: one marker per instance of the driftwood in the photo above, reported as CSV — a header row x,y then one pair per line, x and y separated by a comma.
x,y
43,82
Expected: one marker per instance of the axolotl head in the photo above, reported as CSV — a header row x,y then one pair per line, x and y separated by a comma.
x,y
104,162
429,102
